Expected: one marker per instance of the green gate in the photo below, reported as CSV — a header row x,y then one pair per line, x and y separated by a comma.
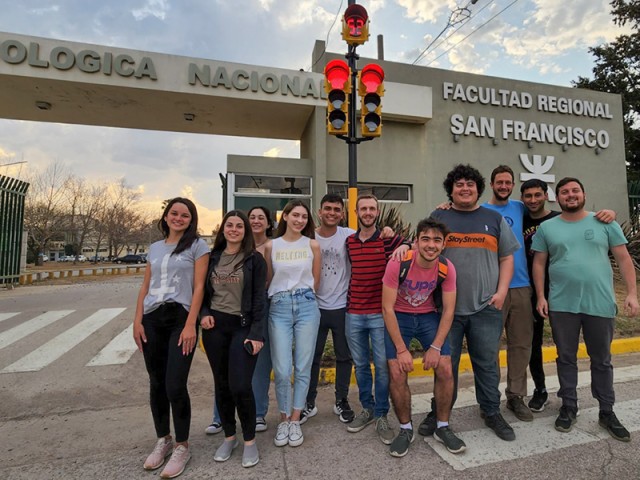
x,y
12,196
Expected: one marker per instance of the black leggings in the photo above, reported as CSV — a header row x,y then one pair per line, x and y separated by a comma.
x,y
168,369
232,368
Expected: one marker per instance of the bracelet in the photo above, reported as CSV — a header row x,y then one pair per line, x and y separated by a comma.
x,y
398,353
435,348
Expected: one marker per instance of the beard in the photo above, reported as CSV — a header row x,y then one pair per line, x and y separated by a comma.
x,y
502,196
367,224
577,208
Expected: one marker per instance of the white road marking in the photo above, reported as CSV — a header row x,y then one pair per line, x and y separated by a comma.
x,y
421,403
118,351
534,438
6,316
58,346
27,328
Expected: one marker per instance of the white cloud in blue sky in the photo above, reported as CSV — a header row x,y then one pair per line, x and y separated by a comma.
x,y
536,40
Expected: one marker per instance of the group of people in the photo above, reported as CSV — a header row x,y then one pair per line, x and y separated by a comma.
x,y
268,301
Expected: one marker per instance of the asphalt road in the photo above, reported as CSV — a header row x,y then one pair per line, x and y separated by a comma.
x,y
74,404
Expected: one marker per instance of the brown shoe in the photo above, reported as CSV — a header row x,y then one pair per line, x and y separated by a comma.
x,y
519,409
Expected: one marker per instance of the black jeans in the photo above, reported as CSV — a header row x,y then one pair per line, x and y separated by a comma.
x,y
535,363
598,334
333,320
232,368
168,369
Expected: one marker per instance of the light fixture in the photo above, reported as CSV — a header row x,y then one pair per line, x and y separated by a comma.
x,y
456,138
43,105
189,117
598,150
495,141
565,147
530,144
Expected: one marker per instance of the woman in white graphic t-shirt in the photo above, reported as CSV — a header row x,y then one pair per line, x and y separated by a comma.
x,y
294,263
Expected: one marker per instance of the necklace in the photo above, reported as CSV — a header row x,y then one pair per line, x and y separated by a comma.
x,y
260,244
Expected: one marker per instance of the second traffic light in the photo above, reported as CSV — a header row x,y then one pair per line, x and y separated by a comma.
x,y
371,91
337,85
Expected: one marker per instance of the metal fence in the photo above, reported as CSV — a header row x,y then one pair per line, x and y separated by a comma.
x,y
12,196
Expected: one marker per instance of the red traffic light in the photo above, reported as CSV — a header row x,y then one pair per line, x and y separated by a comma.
x,y
355,18
371,77
337,73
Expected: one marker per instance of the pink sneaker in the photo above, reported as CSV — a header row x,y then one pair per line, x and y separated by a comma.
x,y
162,450
177,462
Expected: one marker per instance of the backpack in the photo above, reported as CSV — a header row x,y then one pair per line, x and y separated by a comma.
x,y
443,270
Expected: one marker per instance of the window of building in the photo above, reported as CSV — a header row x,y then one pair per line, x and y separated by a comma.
x,y
384,193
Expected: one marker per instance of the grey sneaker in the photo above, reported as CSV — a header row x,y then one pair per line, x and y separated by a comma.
x,y
446,436
364,418
224,451
384,430
400,445
250,456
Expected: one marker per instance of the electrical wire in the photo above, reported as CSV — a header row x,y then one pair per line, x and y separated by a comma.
x,y
328,33
474,31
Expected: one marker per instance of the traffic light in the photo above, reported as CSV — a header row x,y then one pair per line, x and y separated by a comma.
x,y
355,25
371,90
337,84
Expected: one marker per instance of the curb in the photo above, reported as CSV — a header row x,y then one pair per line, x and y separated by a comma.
x,y
618,346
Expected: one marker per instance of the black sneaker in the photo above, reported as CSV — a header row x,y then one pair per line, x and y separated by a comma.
x,y
343,409
500,426
428,425
309,411
566,419
539,400
609,421
400,445
446,436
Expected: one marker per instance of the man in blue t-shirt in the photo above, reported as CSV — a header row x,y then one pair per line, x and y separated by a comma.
x,y
581,297
517,314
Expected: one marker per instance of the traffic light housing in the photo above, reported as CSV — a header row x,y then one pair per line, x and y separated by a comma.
x,y
355,25
371,91
337,85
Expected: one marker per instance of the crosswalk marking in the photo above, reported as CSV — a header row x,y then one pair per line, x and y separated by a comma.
x,y
27,328
58,346
118,351
7,316
421,403
534,438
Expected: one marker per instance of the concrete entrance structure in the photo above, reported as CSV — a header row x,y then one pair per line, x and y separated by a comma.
x,y
432,119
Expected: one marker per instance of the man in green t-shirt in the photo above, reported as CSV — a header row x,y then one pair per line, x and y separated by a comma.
x,y
581,297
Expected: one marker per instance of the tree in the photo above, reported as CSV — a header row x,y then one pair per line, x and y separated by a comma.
x,y
45,212
617,70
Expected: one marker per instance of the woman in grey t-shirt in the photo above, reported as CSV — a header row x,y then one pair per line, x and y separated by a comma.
x,y
164,328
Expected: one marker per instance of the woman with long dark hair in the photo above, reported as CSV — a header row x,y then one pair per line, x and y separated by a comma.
x,y
294,265
232,318
164,328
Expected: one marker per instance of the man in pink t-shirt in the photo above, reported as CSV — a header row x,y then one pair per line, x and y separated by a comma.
x,y
409,311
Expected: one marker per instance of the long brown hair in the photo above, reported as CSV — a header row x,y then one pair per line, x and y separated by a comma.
x,y
309,229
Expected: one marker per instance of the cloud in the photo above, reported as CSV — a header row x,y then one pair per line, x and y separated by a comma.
x,y
152,8
425,11
272,152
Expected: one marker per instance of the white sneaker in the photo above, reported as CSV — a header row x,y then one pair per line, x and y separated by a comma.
x,y
214,428
261,424
295,434
282,434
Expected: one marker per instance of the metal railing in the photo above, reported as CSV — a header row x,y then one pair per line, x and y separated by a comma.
x,y
12,197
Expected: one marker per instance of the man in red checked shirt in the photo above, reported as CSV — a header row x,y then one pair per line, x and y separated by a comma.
x,y
410,311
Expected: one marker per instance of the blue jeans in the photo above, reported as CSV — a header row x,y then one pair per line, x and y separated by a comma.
x,y
482,330
294,317
261,379
362,329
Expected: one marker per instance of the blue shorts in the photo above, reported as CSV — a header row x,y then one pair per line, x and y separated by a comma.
x,y
422,326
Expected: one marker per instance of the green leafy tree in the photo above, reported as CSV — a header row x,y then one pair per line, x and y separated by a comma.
x,y
617,70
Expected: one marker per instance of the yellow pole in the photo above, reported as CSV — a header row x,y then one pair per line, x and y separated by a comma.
x,y
353,217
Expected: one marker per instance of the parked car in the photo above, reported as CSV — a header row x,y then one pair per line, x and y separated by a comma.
x,y
131,258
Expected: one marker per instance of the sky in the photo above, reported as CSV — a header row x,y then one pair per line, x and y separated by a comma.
x,y
543,41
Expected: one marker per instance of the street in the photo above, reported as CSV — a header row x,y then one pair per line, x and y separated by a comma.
x,y
74,404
